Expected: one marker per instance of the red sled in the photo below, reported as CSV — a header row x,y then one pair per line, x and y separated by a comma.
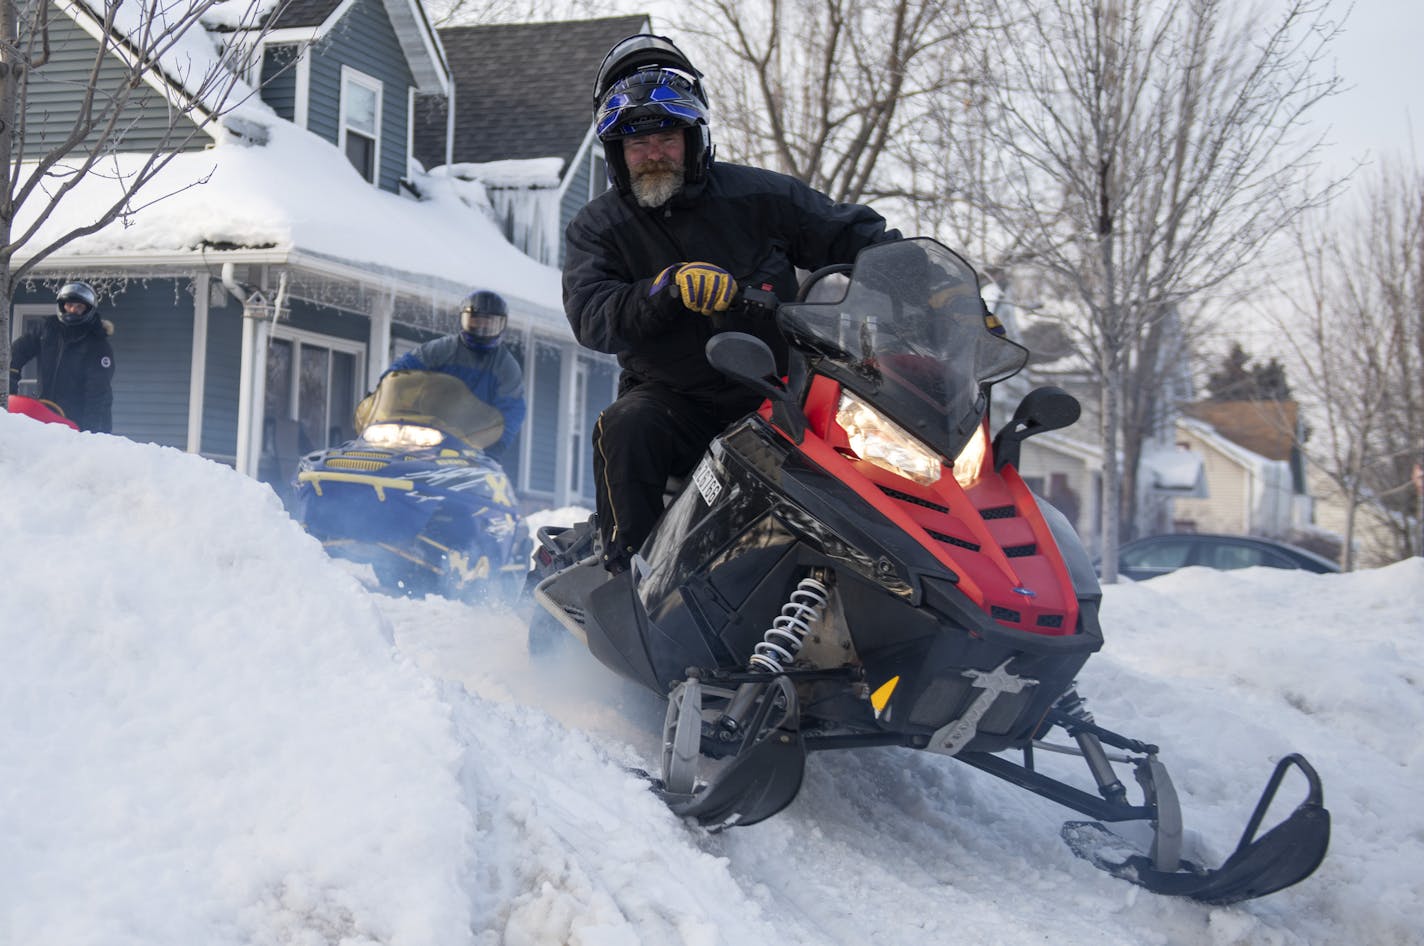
x,y
46,412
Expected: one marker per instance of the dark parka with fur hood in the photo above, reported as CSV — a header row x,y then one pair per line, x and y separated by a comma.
x,y
76,368
757,224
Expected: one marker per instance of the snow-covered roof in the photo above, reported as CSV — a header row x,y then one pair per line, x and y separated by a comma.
x,y
297,200
1175,470
186,57
514,173
1209,435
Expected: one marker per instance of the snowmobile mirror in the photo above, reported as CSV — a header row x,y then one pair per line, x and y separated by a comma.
x,y
1042,409
748,359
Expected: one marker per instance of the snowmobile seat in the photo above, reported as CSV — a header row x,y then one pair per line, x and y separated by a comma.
x,y
673,489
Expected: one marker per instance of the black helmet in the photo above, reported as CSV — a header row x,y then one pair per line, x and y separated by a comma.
x,y
646,84
483,316
77,292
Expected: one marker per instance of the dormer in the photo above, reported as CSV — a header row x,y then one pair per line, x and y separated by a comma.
x,y
520,128
348,71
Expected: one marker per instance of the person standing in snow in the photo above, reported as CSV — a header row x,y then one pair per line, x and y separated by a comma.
x,y
76,361
653,267
476,355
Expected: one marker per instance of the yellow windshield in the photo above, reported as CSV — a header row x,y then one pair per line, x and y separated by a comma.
x,y
431,399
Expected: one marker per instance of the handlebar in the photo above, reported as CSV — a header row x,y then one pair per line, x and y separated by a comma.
x,y
762,301
756,301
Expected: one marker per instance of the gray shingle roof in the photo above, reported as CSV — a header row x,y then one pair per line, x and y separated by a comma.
x,y
522,90
305,13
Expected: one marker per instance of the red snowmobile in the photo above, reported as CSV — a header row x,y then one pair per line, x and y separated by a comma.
x,y
860,564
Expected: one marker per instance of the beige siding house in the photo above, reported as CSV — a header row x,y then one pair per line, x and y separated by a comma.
x,y
1376,535
1252,469
1067,472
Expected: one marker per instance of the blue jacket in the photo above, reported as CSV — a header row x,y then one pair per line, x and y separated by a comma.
x,y
492,376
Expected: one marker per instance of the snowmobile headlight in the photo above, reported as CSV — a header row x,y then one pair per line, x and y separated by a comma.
x,y
971,459
402,435
877,439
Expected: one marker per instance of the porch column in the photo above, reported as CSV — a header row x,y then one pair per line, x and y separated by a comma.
x,y
252,388
379,340
197,370
570,404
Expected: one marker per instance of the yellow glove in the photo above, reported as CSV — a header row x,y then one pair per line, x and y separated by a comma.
x,y
703,287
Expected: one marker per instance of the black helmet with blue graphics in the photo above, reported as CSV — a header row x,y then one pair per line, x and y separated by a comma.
x,y
647,84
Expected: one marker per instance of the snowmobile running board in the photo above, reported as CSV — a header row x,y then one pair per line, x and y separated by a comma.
x,y
1284,855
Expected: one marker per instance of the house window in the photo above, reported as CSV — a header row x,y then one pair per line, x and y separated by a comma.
x,y
29,318
313,384
360,135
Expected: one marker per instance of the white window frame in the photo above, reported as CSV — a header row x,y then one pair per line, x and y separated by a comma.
x,y
351,76
28,310
21,313
300,337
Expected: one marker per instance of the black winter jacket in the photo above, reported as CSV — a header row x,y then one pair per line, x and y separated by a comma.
x,y
757,224
76,369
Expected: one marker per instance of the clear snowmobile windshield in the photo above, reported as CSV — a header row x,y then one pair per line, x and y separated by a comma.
x,y
907,333
431,399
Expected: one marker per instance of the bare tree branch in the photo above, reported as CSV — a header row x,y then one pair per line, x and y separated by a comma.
x,y
1146,152
1356,328
831,91
153,66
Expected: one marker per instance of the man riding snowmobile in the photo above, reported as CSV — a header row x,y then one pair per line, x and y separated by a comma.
x,y
859,564
416,495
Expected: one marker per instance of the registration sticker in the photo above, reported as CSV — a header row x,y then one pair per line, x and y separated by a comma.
x,y
706,482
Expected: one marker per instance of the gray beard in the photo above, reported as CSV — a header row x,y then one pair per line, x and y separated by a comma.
x,y
655,188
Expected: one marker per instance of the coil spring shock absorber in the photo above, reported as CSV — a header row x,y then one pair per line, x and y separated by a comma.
x,y
1071,705
778,647
782,641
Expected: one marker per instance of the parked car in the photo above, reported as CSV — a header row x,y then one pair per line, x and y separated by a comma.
x,y
1159,554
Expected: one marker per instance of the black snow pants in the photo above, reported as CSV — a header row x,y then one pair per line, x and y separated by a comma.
x,y
647,435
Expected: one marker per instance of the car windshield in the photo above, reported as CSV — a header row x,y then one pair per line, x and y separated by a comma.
x,y
431,399
907,333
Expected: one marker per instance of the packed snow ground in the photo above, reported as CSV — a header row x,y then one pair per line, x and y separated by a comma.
x,y
211,733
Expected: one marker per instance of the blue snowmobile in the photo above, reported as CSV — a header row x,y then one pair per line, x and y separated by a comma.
x,y
416,496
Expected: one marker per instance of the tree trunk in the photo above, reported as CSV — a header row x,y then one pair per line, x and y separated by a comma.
x,y
9,100
1347,548
1112,475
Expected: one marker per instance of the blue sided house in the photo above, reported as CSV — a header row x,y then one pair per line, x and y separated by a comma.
x,y
312,232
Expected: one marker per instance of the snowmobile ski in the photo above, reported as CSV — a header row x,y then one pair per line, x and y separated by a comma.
x,y
761,779
1284,855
